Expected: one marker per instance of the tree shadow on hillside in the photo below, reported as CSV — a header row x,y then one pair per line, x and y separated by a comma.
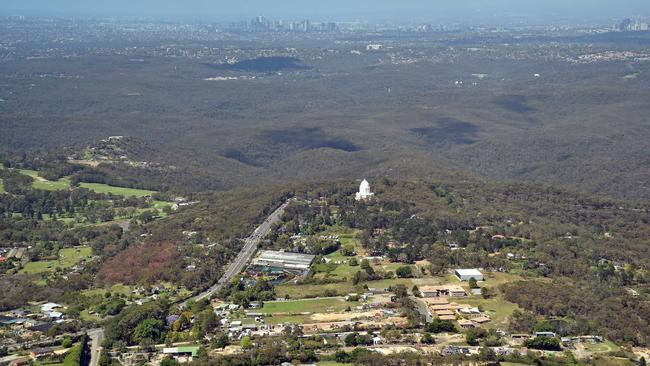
x,y
271,145
448,130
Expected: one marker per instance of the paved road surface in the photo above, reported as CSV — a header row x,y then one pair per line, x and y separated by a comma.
x,y
245,255
96,336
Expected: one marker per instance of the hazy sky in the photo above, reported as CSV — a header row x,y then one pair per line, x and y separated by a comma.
x,y
434,10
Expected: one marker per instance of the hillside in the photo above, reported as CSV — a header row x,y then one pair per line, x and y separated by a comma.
x,y
447,113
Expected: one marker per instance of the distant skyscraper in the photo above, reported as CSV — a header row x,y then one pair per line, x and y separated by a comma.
x,y
625,25
260,24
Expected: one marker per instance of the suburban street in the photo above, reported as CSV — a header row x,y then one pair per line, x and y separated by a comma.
x,y
245,255
96,336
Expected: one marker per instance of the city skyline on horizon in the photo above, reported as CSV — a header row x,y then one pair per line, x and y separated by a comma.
x,y
475,11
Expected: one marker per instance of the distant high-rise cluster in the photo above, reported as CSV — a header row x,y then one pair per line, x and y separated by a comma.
x,y
627,25
261,24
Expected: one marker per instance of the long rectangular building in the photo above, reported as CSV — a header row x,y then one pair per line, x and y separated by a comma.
x,y
466,274
287,261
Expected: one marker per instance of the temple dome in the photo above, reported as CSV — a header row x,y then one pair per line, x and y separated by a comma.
x,y
365,186
364,191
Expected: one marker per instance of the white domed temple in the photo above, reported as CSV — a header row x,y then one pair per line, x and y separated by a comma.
x,y
364,191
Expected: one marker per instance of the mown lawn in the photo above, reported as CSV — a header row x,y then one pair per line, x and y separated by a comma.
x,y
302,306
68,257
118,191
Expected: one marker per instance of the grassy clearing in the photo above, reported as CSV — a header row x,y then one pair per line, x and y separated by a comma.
x,y
68,257
303,306
85,315
293,319
2,187
345,271
307,291
408,282
64,183
600,360
497,308
607,346
118,191
337,256
48,185
115,289
496,279
346,237
344,288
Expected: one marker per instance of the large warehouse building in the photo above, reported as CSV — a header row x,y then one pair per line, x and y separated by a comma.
x,y
283,261
466,274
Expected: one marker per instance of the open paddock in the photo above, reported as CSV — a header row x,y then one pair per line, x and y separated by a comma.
x,y
304,306
68,257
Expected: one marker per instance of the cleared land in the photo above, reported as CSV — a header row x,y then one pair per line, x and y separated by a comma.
x,y
498,309
68,257
293,319
304,306
64,183
607,346
307,291
48,185
115,289
339,269
118,191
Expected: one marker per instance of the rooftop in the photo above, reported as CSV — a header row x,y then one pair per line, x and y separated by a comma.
x,y
469,272
284,260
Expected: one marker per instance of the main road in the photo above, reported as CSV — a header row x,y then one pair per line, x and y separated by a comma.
x,y
245,255
96,336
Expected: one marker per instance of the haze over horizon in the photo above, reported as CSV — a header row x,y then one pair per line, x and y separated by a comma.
x,y
416,10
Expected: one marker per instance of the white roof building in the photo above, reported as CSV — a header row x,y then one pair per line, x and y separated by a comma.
x,y
49,307
466,274
54,314
284,260
364,191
